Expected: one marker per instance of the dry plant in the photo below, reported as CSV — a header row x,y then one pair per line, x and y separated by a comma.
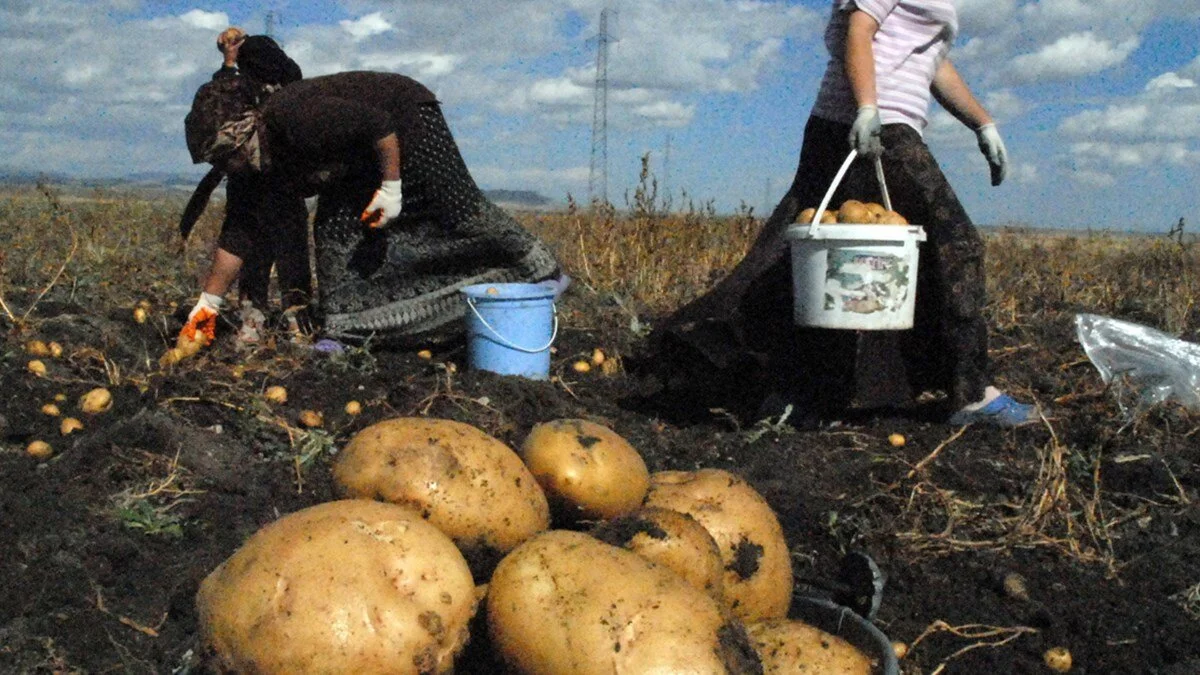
x,y
981,637
150,507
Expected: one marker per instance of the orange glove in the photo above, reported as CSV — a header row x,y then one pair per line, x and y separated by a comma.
x,y
201,325
385,205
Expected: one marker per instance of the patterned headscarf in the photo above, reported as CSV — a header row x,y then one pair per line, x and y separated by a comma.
x,y
222,119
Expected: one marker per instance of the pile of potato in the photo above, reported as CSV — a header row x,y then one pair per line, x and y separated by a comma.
x,y
854,212
676,571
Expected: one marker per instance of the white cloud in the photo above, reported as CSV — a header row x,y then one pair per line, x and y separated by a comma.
x,y
1071,56
1170,81
368,26
668,113
211,21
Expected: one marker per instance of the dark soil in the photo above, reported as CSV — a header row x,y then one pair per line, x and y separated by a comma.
x,y
1082,532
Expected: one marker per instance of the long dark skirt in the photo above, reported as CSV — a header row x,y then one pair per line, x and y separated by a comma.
x,y
736,347
404,279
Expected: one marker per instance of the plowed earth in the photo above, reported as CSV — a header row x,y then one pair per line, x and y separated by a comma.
x,y
1092,520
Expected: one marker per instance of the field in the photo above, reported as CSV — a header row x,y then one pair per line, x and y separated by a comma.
x,y
1081,532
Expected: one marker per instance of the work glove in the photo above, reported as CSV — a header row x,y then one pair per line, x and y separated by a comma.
x,y
201,325
385,205
866,131
992,147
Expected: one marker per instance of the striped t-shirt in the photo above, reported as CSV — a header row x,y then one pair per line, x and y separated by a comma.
x,y
913,39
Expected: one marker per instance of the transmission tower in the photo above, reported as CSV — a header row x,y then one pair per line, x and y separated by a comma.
x,y
269,24
598,173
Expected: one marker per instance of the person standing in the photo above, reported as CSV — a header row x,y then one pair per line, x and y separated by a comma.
x,y
888,59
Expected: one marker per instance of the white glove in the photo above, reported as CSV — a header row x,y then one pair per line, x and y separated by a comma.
x,y
992,147
213,303
385,205
866,131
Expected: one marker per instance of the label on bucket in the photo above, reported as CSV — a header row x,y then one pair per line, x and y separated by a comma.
x,y
865,282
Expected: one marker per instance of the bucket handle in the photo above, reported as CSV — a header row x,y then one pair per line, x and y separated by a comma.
x,y
504,341
837,180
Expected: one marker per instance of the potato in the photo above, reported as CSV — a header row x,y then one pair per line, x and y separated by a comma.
x,y
758,565
69,425
672,539
564,602
276,394
828,217
806,216
853,211
39,450
96,401
790,646
892,218
346,586
876,210
37,348
586,469
470,485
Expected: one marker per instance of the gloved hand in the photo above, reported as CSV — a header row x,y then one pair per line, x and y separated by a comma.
x,y
385,205
201,325
992,147
866,131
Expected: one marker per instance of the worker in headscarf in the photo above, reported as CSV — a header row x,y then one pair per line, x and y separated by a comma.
x,y
255,233
400,226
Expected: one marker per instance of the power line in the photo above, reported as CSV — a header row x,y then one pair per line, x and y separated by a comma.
x,y
598,171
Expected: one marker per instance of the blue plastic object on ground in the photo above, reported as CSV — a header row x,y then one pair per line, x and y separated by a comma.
x,y
1002,411
510,328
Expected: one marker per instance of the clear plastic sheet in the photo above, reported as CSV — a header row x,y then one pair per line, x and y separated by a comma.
x,y
1143,366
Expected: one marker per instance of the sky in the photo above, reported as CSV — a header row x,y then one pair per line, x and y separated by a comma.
x,y
1098,101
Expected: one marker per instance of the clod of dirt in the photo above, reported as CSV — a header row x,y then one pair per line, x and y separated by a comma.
x,y
1015,587
213,458
745,558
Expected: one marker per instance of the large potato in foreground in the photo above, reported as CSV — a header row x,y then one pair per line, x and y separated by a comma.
x,y
586,469
472,486
565,602
347,586
758,564
788,646
672,539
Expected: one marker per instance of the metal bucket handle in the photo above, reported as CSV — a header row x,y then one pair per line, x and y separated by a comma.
x,y
815,226
507,343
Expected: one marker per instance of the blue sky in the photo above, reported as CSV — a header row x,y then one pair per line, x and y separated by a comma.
x,y
1098,100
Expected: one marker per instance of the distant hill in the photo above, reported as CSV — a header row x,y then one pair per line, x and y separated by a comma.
x,y
527,199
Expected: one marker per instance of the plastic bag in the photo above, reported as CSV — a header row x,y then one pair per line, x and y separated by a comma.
x,y
1143,366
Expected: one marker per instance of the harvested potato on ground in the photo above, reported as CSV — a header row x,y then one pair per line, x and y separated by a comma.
x,y
564,602
758,564
790,646
672,539
586,469
469,484
96,401
347,586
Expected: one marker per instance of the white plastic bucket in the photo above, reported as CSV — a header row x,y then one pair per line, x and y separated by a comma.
x,y
851,276
510,328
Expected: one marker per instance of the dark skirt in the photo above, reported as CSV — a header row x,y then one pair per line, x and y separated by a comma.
x,y
404,279
736,347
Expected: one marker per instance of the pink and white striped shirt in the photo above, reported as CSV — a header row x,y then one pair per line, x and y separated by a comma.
x,y
913,39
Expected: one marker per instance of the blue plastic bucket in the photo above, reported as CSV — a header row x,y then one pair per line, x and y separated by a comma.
x,y
510,328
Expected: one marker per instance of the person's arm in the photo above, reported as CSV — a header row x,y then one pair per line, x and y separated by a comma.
x,y
388,150
952,92
860,57
867,130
